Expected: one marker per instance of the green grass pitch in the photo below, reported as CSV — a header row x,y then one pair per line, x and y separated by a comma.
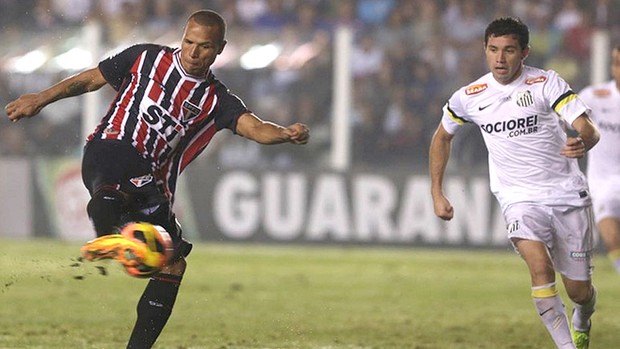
x,y
268,297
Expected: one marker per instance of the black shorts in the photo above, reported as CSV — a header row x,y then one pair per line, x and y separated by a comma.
x,y
114,164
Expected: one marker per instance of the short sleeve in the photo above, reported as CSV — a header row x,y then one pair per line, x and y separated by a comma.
x,y
229,108
562,99
453,114
116,68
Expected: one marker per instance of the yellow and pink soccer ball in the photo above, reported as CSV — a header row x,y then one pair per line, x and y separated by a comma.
x,y
158,247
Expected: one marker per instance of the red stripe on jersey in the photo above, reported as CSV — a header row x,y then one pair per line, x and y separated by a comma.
x,y
120,113
163,175
155,91
197,145
163,64
158,75
141,134
159,147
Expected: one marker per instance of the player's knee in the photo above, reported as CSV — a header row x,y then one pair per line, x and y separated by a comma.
x,y
579,292
176,267
105,209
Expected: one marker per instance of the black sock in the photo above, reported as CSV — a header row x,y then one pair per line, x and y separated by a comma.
x,y
154,309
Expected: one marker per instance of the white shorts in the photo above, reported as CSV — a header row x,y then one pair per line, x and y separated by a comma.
x,y
567,232
605,198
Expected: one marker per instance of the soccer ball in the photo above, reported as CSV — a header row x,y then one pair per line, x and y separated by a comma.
x,y
157,243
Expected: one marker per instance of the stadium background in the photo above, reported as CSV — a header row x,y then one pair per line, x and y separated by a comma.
x,y
372,95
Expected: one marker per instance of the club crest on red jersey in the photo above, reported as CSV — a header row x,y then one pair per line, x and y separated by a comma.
x,y
141,181
190,110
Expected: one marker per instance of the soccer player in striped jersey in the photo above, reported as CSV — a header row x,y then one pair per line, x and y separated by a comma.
x,y
604,160
522,113
167,108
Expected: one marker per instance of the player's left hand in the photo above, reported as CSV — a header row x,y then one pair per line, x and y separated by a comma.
x,y
575,148
298,133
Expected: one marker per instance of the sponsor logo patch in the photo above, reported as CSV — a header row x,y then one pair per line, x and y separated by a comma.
x,y
579,254
513,127
472,90
602,92
535,80
141,181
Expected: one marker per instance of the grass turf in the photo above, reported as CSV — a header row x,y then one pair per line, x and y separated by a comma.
x,y
267,297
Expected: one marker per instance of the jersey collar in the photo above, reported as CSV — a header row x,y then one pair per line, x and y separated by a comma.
x,y
177,63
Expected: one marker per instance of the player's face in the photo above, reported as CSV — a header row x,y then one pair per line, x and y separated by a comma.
x,y
505,57
615,66
199,48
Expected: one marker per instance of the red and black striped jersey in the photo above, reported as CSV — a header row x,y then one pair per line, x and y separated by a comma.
x,y
167,115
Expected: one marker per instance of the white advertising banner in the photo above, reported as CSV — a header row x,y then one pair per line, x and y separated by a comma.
x,y
356,207
16,206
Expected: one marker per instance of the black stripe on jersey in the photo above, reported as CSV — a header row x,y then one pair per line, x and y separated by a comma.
x,y
199,92
561,98
109,116
147,62
175,160
142,76
185,141
169,88
134,109
150,142
453,114
165,153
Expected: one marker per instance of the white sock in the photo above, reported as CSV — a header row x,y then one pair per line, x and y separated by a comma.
x,y
553,315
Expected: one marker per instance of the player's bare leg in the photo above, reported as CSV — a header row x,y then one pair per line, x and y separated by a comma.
x,y
544,292
583,295
609,229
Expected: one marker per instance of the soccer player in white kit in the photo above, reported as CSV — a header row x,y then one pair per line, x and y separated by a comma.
x,y
523,113
604,160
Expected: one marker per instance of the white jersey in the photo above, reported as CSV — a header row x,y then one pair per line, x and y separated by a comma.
x,y
523,126
604,158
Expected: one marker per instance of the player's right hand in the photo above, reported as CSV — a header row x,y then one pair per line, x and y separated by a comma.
x,y
25,106
443,208
298,133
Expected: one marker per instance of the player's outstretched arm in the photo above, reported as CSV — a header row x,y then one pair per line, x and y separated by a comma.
x,y
576,147
252,127
31,104
439,154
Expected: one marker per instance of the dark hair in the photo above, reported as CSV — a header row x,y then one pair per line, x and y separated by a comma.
x,y
210,19
508,26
